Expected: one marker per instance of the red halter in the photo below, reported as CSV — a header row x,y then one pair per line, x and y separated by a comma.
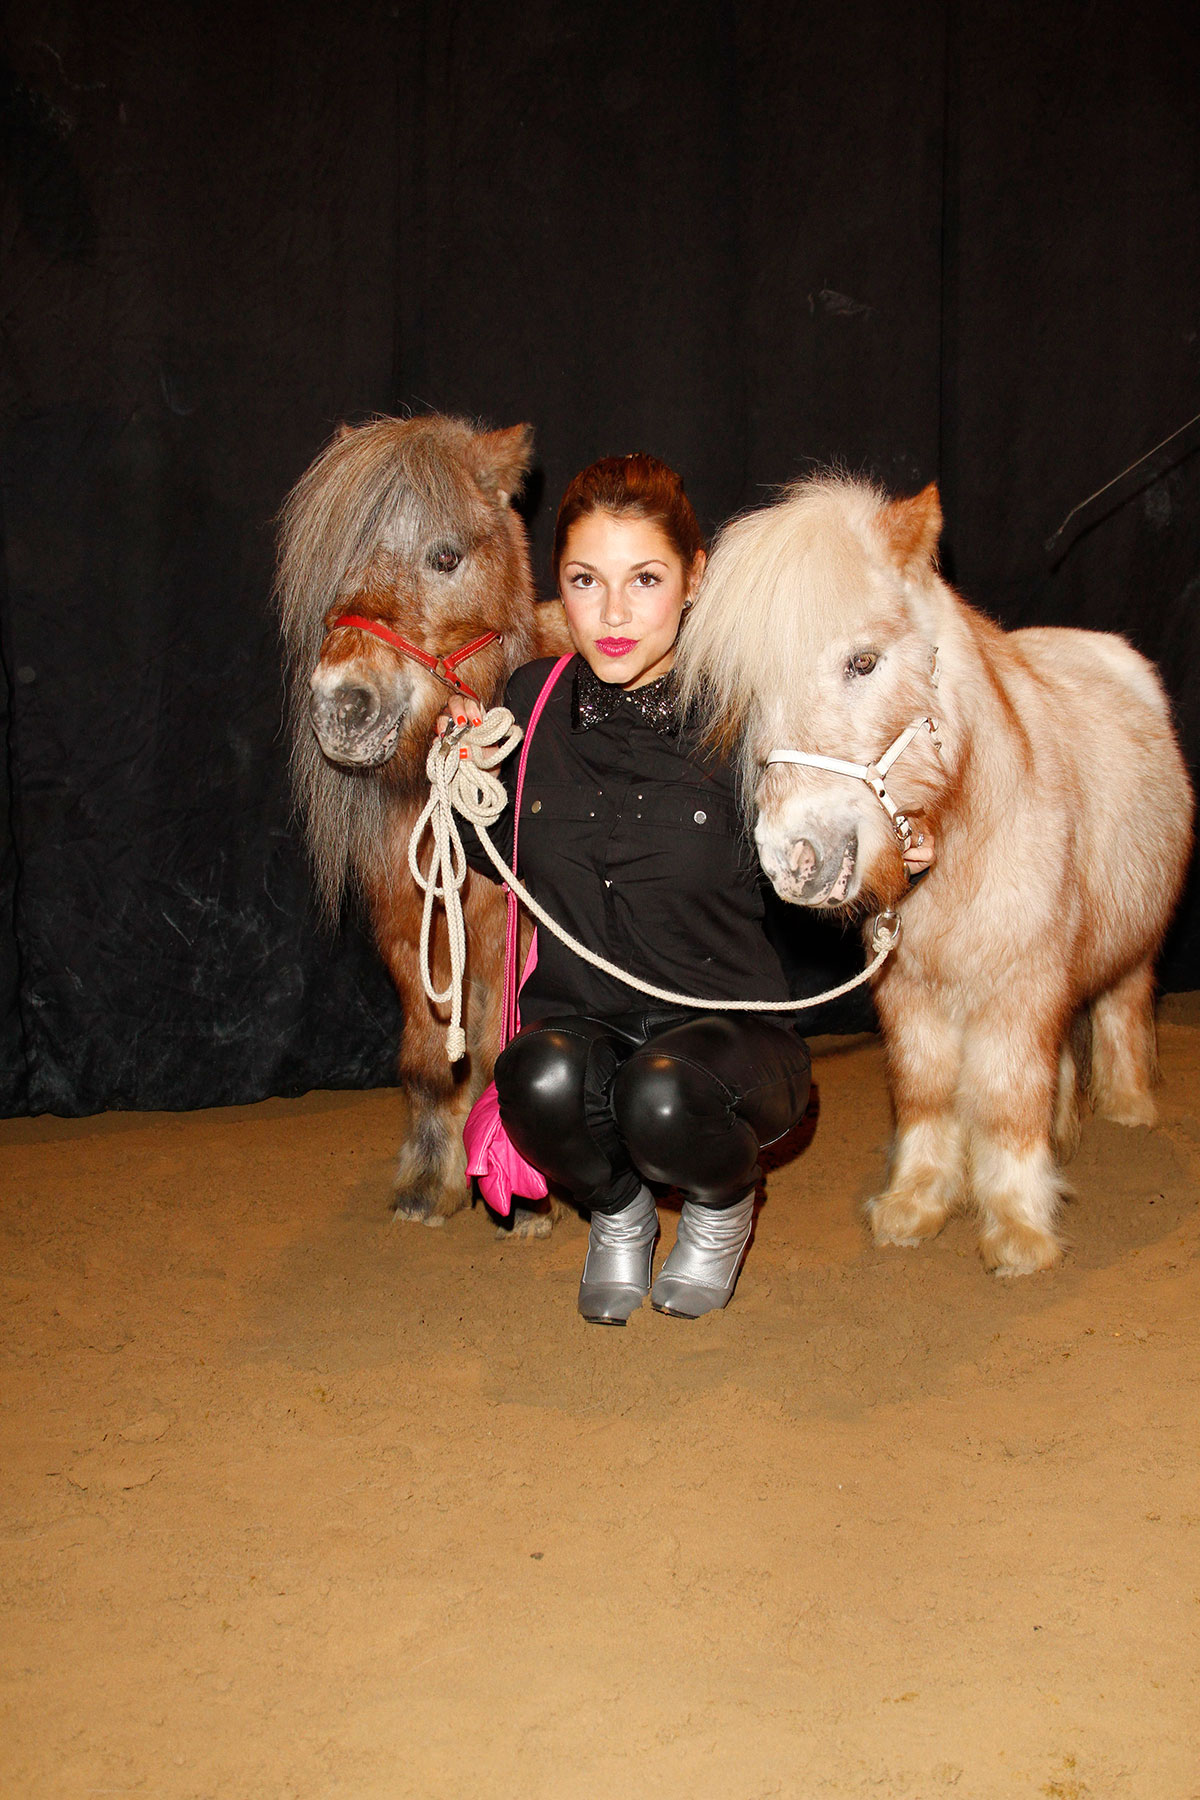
x,y
442,667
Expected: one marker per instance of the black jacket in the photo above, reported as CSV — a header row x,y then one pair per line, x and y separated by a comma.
x,y
631,837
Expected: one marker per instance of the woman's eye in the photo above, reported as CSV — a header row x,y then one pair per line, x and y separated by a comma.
x,y
646,578
445,559
862,663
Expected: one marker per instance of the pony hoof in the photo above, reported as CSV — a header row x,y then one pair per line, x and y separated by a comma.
x,y
1019,1250
902,1222
526,1224
1136,1109
412,1212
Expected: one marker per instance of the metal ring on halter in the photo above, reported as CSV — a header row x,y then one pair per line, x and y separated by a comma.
x,y
885,929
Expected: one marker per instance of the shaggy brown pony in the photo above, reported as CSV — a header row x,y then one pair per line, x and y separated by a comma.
x,y
407,523
1062,814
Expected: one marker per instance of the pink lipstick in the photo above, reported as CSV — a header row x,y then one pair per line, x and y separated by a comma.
x,y
616,646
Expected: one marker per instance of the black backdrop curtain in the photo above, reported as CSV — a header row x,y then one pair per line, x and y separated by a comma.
x,y
923,240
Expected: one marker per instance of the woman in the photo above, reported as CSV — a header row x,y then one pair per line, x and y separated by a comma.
x,y
632,837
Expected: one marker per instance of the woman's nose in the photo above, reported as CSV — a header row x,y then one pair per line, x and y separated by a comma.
x,y
616,609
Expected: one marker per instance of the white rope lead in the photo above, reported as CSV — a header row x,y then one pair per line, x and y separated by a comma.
x,y
459,768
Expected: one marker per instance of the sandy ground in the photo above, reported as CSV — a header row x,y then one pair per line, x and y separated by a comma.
x,y
298,1502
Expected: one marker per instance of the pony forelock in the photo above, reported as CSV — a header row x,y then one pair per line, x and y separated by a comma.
x,y
344,502
779,583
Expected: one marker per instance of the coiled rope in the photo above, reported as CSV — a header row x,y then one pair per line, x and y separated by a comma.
x,y
460,769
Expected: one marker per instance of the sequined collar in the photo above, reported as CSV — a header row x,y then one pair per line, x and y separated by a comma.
x,y
593,701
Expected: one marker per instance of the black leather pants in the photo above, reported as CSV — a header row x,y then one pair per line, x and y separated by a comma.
x,y
688,1099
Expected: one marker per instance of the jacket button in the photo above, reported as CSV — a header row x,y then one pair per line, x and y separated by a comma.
x,y
536,807
700,817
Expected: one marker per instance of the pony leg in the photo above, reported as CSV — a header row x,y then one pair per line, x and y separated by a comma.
x,y
1010,1078
1125,1050
925,1177
430,1181
1066,1104
431,1167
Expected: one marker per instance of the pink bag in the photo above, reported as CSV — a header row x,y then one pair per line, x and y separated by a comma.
x,y
492,1157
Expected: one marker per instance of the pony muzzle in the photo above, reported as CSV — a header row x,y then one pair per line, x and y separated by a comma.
x,y
812,868
356,718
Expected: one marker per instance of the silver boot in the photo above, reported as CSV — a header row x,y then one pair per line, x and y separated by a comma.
x,y
702,1270
616,1271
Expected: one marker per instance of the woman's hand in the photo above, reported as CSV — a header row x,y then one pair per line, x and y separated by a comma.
x,y
921,853
456,712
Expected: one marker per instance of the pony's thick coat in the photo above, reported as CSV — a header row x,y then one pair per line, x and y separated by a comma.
x,y
409,522
1062,815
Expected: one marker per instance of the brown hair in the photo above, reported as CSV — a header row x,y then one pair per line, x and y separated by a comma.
x,y
637,486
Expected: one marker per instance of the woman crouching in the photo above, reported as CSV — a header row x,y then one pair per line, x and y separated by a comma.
x,y
632,837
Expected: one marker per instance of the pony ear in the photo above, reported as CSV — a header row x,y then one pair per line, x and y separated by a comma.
x,y
501,460
912,528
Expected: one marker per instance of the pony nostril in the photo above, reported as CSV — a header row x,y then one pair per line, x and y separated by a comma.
x,y
802,860
355,707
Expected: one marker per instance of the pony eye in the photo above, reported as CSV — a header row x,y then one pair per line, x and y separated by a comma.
x,y
445,559
862,663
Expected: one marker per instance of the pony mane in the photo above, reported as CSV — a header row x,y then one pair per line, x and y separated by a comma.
x,y
774,591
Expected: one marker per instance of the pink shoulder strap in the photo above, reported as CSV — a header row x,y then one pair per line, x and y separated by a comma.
x,y
512,927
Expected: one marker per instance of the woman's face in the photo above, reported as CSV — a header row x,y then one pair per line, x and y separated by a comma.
x,y
624,588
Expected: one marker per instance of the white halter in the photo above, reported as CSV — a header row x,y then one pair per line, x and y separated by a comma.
x,y
871,773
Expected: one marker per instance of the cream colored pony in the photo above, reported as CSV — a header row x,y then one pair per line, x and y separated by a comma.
x,y
1061,808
